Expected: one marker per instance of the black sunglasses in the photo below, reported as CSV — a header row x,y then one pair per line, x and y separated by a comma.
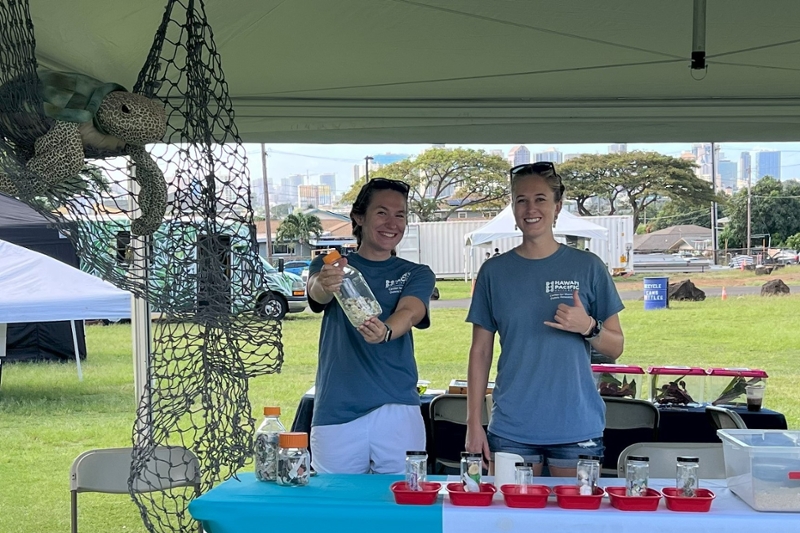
x,y
532,168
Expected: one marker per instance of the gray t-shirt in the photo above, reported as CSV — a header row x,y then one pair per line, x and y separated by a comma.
x,y
353,376
544,391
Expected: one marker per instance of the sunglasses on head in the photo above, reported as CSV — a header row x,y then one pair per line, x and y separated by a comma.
x,y
384,183
532,168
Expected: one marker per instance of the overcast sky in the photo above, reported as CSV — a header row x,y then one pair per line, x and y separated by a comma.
x,y
314,159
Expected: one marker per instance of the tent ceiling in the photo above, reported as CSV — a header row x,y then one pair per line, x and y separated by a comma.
x,y
464,71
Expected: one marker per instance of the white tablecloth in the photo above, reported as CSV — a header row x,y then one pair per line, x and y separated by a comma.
x,y
728,514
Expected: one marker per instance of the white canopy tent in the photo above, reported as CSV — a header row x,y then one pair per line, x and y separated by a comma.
x,y
467,71
37,288
503,226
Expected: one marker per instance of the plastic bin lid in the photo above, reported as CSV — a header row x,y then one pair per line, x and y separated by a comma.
x,y
677,370
738,372
619,369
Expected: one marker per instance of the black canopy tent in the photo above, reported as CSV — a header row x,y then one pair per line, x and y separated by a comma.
x,y
38,341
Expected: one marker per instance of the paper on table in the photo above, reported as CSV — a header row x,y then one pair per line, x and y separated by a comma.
x,y
505,468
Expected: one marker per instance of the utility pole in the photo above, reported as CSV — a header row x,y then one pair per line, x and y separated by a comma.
x,y
714,243
266,201
749,228
366,161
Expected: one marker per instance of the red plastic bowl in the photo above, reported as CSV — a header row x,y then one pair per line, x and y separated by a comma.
x,y
569,497
699,503
459,497
532,497
648,502
405,496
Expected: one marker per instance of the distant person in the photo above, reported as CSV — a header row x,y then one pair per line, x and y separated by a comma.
x,y
488,255
549,304
496,252
366,410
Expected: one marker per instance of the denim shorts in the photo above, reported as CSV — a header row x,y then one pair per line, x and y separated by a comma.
x,y
558,455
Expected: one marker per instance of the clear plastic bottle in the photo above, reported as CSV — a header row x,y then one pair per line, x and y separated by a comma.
x,y
355,296
588,474
686,478
294,461
266,444
637,475
523,474
416,469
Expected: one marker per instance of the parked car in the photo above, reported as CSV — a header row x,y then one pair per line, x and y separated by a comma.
x,y
786,257
296,267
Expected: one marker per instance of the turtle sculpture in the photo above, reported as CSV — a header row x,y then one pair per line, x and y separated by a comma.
x,y
87,116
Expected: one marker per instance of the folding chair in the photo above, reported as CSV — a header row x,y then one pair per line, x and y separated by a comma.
x,y
449,430
107,471
663,457
627,422
721,418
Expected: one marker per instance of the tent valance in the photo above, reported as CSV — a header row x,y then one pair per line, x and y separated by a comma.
x,y
503,226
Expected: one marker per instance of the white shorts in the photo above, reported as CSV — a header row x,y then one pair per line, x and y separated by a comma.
x,y
374,443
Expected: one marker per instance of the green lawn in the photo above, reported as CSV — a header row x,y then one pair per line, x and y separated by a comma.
x,y
47,417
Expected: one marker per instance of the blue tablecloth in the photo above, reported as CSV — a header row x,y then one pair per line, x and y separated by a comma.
x,y
330,503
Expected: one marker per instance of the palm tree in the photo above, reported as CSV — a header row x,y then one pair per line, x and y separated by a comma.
x,y
299,228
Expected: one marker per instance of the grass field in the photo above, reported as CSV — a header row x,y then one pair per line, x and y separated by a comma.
x,y
47,417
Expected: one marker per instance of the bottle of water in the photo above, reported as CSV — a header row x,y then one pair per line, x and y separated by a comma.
x,y
266,444
355,296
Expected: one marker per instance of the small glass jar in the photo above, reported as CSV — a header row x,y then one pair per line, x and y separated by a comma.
x,y
294,461
686,476
416,469
637,475
471,467
523,474
588,472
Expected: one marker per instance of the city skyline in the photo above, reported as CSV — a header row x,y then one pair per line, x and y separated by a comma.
x,y
312,161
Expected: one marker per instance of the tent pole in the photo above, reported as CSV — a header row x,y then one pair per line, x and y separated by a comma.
x,y
77,351
2,347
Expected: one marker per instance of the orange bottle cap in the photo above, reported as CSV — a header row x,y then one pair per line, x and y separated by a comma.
x,y
331,257
272,411
293,440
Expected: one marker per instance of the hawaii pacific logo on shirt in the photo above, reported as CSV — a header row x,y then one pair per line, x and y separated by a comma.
x,y
395,286
558,289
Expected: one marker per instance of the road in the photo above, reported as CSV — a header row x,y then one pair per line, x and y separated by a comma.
x,y
711,292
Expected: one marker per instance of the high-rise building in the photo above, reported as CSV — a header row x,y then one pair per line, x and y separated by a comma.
x,y
552,155
703,157
313,195
618,148
498,153
329,180
567,157
768,164
745,170
519,155
727,172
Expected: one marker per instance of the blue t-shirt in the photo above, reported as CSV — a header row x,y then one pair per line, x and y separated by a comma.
x,y
353,376
544,391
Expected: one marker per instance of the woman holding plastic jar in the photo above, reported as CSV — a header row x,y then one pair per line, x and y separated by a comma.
x,y
549,304
366,409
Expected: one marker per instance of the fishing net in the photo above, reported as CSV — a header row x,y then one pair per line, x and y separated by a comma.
x,y
197,266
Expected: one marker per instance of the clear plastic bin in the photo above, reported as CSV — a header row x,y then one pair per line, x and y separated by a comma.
x,y
763,467
676,385
618,381
726,386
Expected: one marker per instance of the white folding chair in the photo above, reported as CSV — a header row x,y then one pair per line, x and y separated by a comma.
x,y
448,428
663,458
627,421
107,471
722,418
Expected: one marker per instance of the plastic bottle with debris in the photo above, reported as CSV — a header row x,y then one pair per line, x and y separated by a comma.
x,y
355,296
266,444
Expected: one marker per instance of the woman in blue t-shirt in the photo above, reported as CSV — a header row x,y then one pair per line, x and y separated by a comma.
x,y
549,304
366,407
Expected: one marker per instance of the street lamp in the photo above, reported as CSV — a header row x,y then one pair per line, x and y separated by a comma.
x,y
366,166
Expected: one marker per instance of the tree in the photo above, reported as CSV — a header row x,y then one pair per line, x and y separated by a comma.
x,y
638,179
299,227
477,179
280,211
774,208
681,212
793,242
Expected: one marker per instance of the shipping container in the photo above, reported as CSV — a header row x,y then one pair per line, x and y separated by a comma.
x,y
442,246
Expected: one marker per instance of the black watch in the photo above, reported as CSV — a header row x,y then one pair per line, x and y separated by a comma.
x,y
595,331
388,335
